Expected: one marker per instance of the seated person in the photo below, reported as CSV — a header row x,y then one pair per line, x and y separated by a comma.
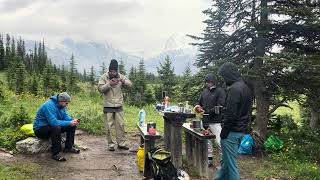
x,y
51,120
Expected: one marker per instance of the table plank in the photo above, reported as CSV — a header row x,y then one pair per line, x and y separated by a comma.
x,y
197,134
146,135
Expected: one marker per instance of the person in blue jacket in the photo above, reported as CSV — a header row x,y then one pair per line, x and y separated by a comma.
x,y
51,120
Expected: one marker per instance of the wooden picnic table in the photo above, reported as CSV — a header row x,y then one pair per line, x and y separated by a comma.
x,y
197,149
149,143
172,134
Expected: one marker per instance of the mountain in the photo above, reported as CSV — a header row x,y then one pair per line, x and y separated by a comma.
x,y
180,53
89,54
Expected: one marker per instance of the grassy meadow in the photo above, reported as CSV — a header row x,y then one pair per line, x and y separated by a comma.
x,y
87,106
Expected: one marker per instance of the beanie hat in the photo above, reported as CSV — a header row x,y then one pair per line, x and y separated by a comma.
x,y
210,78
113,65
64,97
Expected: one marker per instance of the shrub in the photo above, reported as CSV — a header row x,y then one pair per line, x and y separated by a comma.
x,y
9,137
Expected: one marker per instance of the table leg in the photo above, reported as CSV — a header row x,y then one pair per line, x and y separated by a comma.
x,y
189,148
167,134
203,147
148,145
176,144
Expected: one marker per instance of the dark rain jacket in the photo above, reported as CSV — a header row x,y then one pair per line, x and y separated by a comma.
x,y
238,100
209,99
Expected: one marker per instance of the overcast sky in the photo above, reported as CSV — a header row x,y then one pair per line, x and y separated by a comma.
x,y
129,25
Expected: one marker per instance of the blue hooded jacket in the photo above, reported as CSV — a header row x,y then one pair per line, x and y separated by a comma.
x,y
51,114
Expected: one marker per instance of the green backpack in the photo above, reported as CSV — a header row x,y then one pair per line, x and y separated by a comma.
x,y
160,166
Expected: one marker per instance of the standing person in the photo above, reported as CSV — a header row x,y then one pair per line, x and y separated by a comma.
x,y
236,120
51,120
110,85
210,97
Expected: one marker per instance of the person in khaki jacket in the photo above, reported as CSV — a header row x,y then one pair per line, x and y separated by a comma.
x,y
110,85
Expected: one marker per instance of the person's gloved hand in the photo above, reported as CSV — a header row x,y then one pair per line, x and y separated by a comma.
x,y
224,132
114,81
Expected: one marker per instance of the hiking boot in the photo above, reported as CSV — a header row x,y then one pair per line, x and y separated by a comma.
x,y
123,147
58,157
72,150
111,147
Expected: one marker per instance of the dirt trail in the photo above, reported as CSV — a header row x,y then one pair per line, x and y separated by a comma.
x,y
96,162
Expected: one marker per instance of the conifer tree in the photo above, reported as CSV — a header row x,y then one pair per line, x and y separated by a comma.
x,y
21,75
167,76
84,75
13,47
8,51
2,53
63,76
122,67
46,80
92,79
187,89
35,58
103,68
33,84
72,75
245,32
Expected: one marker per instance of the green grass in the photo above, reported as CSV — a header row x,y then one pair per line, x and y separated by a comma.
x,y
19,171
294,112
281,167
88,107
2,76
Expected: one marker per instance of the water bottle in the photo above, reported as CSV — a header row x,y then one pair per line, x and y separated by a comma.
x,y
142,116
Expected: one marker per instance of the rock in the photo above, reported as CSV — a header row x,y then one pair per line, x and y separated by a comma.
x,y
32,145
79,132
5,156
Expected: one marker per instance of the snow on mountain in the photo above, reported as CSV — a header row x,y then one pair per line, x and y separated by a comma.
x,y
89,54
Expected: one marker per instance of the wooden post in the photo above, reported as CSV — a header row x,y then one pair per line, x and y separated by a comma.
x,y
203,147
197,154
176,144
167,134
189,148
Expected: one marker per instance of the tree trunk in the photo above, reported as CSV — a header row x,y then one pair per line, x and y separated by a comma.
x,y
262,105
314,121
262,99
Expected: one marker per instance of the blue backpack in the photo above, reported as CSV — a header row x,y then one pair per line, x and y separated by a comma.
x,y
246,145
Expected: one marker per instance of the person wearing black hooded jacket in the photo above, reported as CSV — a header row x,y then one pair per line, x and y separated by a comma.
x,y
211,97
235,122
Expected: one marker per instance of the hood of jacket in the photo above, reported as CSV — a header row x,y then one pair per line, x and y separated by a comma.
x,y
230,73
54,98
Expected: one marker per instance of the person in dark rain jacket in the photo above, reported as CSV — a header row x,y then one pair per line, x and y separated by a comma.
x,y
236,120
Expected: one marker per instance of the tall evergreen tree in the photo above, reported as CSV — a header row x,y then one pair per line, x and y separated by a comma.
x,y
167,76
187,90
246,32
13,47
2,53
33,84
122,67
21,75
35,58
46,79
8,51
92,79
84,75
103,68
63,76
72,75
